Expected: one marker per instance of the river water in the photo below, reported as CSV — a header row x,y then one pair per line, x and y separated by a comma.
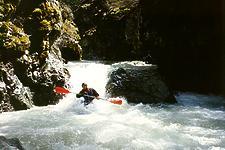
x,y
195,122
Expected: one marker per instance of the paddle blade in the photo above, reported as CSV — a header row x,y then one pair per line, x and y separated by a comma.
x,y
61,90
116,101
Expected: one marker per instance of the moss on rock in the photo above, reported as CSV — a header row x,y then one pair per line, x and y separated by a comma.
x,y
52,23
32,36
7,9
13,40
71,29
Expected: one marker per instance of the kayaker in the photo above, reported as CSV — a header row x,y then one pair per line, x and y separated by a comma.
x,y
88,93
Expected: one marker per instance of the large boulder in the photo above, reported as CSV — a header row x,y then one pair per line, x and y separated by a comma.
x,y
138,82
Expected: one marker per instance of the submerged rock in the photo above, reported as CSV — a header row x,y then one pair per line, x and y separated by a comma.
x,y
138,82
9,144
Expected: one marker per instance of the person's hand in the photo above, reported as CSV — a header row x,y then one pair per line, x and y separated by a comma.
x,y
79,95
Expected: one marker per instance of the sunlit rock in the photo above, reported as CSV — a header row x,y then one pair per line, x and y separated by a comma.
x,y
14,42
14,96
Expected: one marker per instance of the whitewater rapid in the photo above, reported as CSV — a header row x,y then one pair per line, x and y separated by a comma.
x,y
196,122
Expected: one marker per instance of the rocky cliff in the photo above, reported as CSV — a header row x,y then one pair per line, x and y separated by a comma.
x,y
35,36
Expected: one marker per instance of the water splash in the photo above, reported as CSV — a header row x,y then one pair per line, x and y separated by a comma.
x,y
103,125
94,74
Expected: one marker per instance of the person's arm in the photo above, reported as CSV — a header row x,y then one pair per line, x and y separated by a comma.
x,y
80,94
95,94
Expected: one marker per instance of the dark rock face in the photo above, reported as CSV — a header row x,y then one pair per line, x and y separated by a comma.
x,y
13,143
138,84
185,39
108,28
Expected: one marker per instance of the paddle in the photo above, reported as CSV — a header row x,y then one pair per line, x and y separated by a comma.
x,y
61,90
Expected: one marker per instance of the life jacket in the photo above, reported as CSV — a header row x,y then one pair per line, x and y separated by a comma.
x,y
89,92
